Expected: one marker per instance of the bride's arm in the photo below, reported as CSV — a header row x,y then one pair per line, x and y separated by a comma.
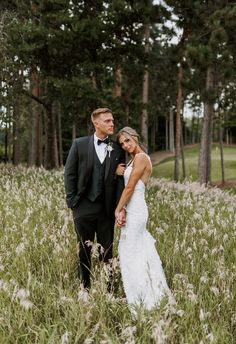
x,y
139,166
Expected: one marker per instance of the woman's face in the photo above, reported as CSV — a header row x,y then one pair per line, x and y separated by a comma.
x,y
127,143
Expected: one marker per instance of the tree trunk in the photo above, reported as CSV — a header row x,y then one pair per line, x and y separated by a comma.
x,y
54,126
127,102
6,145
17,108
153,136
40,144
182,154
60,136
73,132
116,90
127,114
178,122
221,152
231,137
167,133
171,134
197,128
51,151
184,132
16,133
144,116
227,136
94,81
35,147
204,164
193,139
179,102
226,131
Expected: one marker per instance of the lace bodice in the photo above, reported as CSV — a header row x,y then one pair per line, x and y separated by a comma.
x,y
137,204
129,169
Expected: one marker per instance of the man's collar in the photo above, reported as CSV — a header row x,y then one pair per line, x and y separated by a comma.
x,y
97,138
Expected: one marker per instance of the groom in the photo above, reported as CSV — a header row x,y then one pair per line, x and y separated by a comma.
x,y
93,183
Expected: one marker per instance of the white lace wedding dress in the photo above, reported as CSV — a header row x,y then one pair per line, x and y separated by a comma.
x,y
141,269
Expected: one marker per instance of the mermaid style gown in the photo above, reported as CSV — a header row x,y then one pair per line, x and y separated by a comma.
x,y
141,269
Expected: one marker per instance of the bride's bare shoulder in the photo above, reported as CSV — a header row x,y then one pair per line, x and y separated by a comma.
x,y
142,158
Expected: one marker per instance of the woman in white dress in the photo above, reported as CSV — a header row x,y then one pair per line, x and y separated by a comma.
x,y
141,269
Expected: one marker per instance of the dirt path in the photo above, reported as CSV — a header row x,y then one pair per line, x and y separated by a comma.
x,y
228,184
159,156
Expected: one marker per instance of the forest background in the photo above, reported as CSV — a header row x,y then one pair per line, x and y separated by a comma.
x,y
146,60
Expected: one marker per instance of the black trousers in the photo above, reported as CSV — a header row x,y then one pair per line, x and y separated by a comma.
x,y
91,220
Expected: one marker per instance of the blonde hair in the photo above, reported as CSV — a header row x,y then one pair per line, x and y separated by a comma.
x,y
133,133
130,131
96,113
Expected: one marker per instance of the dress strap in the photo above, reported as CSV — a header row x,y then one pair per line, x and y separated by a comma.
x,y
130,163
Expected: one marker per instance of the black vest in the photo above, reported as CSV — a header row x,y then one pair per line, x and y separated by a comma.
x,y
96,182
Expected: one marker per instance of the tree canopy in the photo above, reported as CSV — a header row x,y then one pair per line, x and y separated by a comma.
x,y
60,59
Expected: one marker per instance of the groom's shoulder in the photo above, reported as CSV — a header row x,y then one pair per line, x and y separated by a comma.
x,y
82,140
118,149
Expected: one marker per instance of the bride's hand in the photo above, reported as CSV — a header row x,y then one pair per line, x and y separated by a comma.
x,y
120,218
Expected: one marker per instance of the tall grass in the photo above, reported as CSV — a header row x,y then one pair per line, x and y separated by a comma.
x,y
41,300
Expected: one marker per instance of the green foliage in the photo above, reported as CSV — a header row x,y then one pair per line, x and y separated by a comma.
x,y
76,46
68,42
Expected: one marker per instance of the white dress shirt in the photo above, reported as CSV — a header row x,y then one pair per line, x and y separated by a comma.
x,y
101,149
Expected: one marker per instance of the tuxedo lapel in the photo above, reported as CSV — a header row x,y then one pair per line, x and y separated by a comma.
x,y
90,156
108,161
107,165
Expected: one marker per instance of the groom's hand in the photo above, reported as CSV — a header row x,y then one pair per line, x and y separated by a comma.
x,y
120,170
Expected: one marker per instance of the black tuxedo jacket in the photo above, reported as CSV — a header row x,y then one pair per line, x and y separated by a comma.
x,y
78,169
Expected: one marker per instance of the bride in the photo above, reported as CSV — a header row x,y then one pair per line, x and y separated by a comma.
x,y
141,269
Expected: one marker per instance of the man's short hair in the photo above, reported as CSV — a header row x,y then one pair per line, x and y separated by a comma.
x,y
96,113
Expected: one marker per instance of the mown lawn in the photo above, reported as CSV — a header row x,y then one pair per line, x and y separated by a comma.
x,y
41,300
165,168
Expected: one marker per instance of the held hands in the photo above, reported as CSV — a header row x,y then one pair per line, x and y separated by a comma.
x,y
120,218
120,215
120,170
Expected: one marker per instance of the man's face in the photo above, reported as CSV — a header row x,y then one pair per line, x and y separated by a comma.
x,y
104,125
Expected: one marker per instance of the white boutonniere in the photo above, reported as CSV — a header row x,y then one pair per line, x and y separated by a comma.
x,y
109,148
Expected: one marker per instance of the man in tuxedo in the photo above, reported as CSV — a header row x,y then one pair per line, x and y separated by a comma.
x,y
93,183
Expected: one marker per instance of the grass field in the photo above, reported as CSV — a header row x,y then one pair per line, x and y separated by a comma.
x,y
165,168
41,300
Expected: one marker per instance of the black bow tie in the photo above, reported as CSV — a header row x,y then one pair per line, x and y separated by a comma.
x,y
103,141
